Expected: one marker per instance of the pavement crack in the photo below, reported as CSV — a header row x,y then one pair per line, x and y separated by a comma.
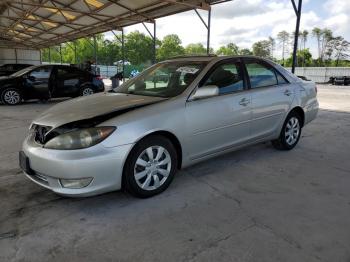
x,y
215,243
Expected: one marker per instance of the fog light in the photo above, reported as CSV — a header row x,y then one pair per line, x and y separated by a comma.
x,y
75,183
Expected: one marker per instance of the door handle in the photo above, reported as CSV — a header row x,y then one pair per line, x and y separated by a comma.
x,y
287,92
244,102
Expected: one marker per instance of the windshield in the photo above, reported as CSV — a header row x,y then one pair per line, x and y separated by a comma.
x,y
163,80
23,71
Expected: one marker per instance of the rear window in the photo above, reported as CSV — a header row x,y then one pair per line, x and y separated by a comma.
x,y
260,74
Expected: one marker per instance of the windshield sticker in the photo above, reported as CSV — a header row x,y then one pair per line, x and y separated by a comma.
x,y
187,70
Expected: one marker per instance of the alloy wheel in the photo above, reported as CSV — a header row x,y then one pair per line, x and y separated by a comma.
x,y
12,97
292,131
87,91
152,168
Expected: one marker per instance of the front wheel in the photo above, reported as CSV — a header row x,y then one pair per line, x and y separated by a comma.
x,y
150,167
11,96
290,133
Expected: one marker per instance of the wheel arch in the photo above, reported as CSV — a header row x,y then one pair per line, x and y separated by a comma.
x,y
300,111
173,139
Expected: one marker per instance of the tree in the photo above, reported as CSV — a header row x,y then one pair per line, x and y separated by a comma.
x,y
341,48
272,45
262,48
317,32
326,47
245,51
138,48
303,56
304,36
170,47
195,49
283,38
229,49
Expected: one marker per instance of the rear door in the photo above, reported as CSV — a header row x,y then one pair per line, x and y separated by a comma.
x,y
67,81
272,97
223,121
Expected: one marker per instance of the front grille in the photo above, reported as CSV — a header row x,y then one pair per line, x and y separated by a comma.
x,y
40,133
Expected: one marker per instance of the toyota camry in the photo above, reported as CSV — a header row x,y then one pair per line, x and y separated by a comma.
x,y
137,136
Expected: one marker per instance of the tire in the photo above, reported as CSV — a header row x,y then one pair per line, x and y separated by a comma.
x,y
290,133
11,96
143,177
86,91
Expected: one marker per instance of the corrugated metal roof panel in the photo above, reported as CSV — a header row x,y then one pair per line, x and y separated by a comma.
x,y
54,22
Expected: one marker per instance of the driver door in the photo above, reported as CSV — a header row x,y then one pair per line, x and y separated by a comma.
x,y
220,122
37,82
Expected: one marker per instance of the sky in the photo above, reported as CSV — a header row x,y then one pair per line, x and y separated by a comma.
x,y
244,22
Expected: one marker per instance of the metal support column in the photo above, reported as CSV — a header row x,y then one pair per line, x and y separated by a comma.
x,y
17,57
61,53
95,50
296,36
207,26
154,42
154,39
75,53
49,55
123,54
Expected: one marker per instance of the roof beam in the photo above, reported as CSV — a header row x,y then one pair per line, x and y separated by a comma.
x,y
132,11
59,8
202,5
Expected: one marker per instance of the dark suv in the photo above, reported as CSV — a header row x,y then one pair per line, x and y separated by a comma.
x,y
9,69
48,81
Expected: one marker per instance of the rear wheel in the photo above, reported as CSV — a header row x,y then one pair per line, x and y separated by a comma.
x,y
86,91
11,96
290,133
150,167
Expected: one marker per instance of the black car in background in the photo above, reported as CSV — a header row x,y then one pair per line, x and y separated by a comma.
x,y
9,69
48,81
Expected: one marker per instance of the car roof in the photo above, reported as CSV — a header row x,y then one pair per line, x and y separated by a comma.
x,y
210,58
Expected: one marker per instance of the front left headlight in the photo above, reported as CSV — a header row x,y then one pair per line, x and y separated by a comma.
x,y
80,139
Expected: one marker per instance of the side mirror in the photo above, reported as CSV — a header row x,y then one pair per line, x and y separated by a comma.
x,y
205,91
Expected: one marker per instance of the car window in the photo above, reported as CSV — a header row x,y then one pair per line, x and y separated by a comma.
x,y
280,79
167,79
63,72
260,74
228,77
41,72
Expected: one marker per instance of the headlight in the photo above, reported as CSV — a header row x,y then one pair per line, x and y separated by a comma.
x,y
79,139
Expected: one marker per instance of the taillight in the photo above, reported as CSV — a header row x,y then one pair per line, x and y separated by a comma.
x,y
98,77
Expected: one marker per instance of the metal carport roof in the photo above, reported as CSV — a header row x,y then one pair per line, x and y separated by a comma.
x,y
44,23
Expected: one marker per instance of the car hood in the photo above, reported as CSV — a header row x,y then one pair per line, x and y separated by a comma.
x,y
89,107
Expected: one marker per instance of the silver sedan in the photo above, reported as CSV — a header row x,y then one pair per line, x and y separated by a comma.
x,y
138,135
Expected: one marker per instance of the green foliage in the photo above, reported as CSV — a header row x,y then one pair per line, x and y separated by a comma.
x,y
262,48
170,47
245,51
195,49
139,48
229,49
304,58
333,51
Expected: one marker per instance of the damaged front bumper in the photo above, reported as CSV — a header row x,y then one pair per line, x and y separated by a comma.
x,y
84,172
